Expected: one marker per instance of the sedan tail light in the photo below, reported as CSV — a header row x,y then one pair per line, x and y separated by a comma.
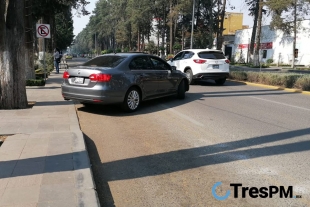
x,y
227,61
100,77
66,75
199,61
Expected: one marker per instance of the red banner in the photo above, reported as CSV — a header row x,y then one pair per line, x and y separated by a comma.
x,y
267,45
243,46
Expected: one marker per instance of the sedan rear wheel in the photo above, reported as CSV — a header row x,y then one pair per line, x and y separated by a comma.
x,y
132,100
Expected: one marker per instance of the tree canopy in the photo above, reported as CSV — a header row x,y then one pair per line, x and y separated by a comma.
x,y
129,24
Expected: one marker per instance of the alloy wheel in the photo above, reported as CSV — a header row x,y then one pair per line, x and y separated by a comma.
x,y
133,99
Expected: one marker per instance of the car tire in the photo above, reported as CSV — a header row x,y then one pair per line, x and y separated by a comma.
x,y
181,90
132,100
189,75
220,81
88,105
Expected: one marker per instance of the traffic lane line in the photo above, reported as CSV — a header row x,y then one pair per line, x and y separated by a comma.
x,y
276,102
273,87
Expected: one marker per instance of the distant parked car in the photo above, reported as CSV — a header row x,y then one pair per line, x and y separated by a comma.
x,y
202,64
123,78
68,56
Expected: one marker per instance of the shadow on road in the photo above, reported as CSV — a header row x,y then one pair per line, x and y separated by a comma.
x,y
179,160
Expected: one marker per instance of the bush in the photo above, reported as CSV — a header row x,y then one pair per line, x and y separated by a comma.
x,y
238,75
109,51
287,80
303,83
269,61
41,75
275,79
35,82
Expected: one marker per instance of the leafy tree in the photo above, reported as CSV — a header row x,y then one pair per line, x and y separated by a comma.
x,y
285,16
64,29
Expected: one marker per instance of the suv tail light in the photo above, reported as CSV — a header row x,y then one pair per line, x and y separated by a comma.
x,y
227,61
199,61
100,77
66,75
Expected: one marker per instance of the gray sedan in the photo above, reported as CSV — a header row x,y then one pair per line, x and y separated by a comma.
x,y
123,78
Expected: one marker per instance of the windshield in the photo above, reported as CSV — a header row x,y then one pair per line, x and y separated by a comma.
x,y
105,61
211,55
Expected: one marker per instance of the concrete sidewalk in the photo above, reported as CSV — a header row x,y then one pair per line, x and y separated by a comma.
x,y
45,161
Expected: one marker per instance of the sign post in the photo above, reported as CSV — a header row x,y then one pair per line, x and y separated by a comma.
x,y
43,31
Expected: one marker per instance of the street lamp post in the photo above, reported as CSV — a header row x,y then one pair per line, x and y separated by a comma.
x,y
193,17
95,45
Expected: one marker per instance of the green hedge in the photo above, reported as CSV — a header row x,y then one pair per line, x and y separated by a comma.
x,y
35,82
287,80
41,75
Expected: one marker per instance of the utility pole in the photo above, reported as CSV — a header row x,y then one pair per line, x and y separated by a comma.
x,y
171,29
258,35
193,17
295,31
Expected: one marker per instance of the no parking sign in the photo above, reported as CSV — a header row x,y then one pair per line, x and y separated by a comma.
x,y
43,31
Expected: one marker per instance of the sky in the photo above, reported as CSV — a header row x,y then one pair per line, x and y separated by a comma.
x,y
80,22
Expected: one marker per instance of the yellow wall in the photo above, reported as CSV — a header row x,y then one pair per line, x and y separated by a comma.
x,y
232,22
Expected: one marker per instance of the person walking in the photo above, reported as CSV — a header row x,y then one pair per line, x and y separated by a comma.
x,y
56,59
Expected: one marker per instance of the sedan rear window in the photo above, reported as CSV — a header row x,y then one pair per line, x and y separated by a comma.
x,y
211,55
105,61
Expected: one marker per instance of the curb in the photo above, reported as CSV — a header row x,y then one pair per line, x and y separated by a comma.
x,y
273,87
84,178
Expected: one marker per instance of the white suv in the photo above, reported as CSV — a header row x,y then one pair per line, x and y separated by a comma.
x,y
202,64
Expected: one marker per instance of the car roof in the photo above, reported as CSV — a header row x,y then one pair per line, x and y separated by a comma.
x,y
203,50
124,54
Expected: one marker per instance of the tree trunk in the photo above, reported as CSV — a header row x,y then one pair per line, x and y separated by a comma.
x,y
295,33
138,41
12,55
211,28
258,35
254,28
29,55
220,39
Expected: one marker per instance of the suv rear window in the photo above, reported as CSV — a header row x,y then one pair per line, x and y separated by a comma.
x,y
105,61
211,55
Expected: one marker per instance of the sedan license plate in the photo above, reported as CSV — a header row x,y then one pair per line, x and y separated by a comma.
x,y
78,80
216,67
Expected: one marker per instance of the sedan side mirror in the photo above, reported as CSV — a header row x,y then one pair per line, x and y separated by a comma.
x,y
171,59
173,68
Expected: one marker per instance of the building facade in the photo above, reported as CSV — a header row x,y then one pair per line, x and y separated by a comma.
x,y
275,45
232,22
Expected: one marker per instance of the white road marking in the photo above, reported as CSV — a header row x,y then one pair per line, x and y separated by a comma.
x,y
182,115
297,107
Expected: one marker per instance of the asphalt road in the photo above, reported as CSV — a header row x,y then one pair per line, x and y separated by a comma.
x,y
171,152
